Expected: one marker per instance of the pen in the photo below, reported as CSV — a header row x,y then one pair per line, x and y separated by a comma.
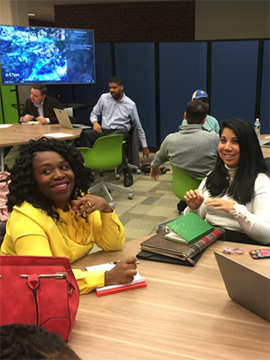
x,y
34,118
117,262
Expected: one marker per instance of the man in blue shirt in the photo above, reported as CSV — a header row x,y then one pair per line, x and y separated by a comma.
x,y
119,114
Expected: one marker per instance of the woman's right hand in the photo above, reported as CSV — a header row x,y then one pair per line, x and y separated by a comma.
x,y
122,273
193,199
90,203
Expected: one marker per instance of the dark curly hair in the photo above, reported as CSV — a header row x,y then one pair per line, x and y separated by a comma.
x,y
24,342
23,186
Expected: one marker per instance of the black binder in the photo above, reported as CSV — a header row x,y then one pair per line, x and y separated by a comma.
x,y
147,255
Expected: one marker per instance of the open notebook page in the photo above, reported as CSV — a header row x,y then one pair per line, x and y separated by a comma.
x,y
108,266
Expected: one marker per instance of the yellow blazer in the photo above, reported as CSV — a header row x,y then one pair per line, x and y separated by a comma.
x,y
31,231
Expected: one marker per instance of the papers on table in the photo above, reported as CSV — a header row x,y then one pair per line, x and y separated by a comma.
x,y
138,281
3,126
58,135
31,123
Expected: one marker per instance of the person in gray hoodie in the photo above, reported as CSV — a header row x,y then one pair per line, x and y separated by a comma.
x,y
192,148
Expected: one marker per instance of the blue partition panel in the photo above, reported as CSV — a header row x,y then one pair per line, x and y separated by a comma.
x,y
91,93
183,69
234,79
65,92
135,64
265,98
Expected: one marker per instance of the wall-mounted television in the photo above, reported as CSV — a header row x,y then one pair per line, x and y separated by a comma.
x,y
48,55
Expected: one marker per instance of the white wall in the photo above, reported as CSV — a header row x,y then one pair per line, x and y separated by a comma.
x,y
13,12
220,19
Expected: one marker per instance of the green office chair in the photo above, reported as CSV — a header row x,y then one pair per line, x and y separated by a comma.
x,y
106,154
181,183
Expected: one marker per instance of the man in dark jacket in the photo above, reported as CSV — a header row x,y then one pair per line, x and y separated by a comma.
x,y
40,106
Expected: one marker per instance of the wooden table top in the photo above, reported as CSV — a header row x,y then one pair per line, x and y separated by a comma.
x,y
266,151
18,134
183,313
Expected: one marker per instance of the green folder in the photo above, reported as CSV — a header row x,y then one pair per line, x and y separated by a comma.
x,y
188,228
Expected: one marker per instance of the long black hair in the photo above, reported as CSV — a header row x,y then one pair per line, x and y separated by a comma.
x,y
250,165
23,186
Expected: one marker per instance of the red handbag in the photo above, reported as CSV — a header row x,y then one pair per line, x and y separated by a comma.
x,y
38,290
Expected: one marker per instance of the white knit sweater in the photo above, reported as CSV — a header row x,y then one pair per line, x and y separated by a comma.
x,y
252,219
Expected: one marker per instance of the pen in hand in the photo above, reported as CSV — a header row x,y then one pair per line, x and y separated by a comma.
x,y
117,262
33,117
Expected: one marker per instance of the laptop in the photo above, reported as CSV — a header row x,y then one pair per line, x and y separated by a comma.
x,y
65,122
245,286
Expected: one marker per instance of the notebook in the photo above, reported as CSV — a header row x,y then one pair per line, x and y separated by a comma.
x,y
186,253
65,122
188,228
137,282
31,123
245,286
148,255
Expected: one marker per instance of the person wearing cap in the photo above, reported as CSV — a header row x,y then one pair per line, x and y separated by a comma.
x,y
211,123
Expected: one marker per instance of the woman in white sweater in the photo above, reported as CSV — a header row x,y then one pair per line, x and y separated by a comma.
x,y
236,194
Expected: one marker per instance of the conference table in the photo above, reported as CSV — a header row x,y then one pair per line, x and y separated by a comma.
x,y
184,313
18,134
265,150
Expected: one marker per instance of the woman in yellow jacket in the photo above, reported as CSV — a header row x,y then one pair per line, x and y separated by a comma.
x,y
52,214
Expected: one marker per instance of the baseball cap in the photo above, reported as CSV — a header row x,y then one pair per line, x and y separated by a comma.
x,y
198,94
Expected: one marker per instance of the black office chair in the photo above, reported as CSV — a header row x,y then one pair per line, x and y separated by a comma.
x,y
132,148
2,230
3,210
267,160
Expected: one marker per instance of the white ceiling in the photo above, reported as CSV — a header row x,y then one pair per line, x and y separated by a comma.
x,y
44,10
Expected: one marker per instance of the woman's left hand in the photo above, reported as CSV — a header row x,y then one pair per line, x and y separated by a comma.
x,y
90,203
220,204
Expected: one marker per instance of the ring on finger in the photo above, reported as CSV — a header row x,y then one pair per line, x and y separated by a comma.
x,y
88,203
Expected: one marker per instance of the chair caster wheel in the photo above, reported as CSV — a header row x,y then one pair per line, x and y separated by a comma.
x,y
117,176
138,171
131,196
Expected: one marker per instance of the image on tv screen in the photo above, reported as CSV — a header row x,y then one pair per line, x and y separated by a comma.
x,y
48,55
